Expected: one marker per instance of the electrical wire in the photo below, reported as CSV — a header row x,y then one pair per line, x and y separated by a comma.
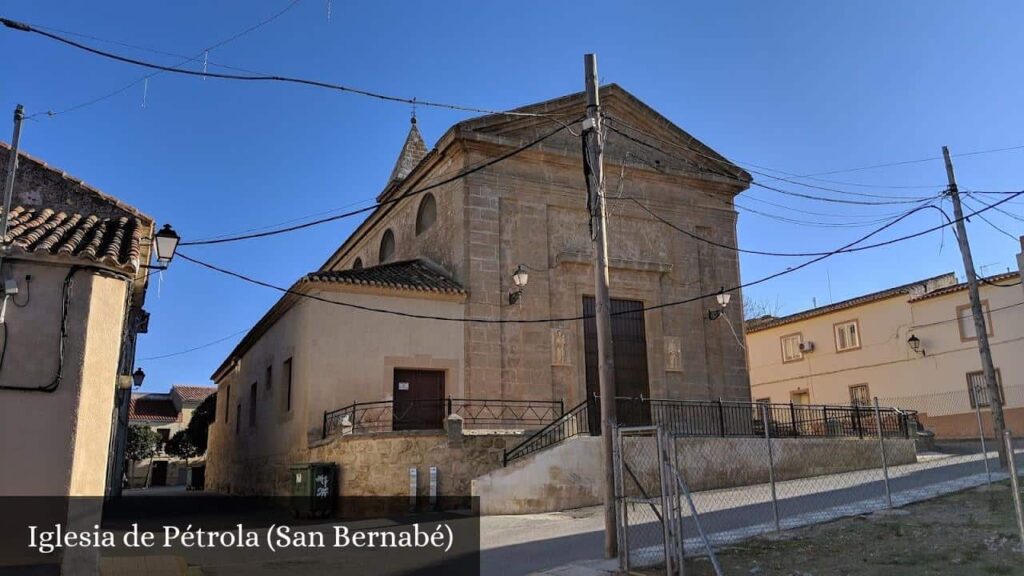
x,y
21,26
187,59
751,182
906,162
790,270
1013,238
194,348
427,188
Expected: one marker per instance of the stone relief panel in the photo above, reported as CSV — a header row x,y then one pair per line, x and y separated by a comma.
x,y
673,354
560,347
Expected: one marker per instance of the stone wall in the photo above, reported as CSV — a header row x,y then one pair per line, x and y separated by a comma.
x,y
372,464
569,475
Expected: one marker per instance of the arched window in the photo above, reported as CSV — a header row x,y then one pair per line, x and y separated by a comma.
x,y
387,246
358,264
427,213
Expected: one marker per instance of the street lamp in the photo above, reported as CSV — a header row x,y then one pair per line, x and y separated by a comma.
x,y
519,277
166,241
915,344
137,377
723,298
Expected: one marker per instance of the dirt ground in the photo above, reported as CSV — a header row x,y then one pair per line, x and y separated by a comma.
x,y
971,532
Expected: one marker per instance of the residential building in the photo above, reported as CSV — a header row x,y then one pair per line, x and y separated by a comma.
x,y
72,306
912,346
443,262
167,414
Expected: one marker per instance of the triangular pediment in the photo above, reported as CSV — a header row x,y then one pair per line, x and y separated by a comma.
x,y
635,133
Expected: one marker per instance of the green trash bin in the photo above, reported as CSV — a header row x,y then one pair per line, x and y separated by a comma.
x,y
314,489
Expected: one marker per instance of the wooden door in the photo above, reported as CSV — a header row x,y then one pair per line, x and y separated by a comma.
x,y
419,400
629,343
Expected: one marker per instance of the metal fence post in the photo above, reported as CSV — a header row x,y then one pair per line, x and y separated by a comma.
x,y
666,506
1014,484
981,436
792,418
771,467
881,447
721,418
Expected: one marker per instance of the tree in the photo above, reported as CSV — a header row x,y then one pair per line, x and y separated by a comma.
x,y
760,307
198,426
181,446
143,443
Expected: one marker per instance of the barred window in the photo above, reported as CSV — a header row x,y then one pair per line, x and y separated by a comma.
x,y
977,388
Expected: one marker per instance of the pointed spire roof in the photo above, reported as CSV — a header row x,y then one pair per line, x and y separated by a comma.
x,y
412,152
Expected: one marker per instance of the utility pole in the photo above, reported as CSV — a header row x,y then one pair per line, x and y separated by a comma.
x,y
12,168
981,330
593,169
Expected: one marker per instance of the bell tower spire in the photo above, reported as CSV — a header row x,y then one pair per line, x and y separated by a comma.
x,y
412,151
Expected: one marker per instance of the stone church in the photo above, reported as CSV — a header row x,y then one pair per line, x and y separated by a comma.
x,y
443,261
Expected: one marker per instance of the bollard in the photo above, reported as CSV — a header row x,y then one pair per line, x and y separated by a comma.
x,y
881,447
981,435
1014,484
771,466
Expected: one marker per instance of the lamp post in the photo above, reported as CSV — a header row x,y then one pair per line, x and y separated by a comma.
x,y
519,277
166,241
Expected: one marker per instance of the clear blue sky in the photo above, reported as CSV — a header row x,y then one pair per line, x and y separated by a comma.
x,y
804,87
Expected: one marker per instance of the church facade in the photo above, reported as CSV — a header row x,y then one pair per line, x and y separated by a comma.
x,y
442,260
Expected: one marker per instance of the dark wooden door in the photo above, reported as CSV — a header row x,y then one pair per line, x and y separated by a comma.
x,y
419,400
629,342
158,476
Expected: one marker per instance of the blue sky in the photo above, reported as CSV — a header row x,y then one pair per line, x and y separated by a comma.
x,y
804,87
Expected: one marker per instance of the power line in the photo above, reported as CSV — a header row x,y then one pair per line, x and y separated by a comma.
x,y
261,78
993,225
760,184
408,194
784,272
195,348
918,161
187,59
699,238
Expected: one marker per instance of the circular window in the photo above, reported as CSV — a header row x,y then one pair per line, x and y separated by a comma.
x,y
427,213
387,246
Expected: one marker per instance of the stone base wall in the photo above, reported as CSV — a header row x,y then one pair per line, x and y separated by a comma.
x,y
964,426
569,475
371,464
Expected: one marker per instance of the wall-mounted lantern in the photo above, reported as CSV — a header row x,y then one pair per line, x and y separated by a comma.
x,y
137,377
519,278
915,344
723,298
166,241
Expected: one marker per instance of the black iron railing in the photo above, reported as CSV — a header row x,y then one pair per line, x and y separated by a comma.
x,y
726,419
388,415
575,422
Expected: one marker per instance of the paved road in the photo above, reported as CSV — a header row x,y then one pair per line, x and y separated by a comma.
x,y
525,544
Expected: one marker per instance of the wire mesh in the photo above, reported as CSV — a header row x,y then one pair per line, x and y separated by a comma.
x,y
641,490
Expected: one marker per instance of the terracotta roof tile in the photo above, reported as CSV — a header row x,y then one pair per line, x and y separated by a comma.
x,y
192,393
766,322
416,275
112,241
152,408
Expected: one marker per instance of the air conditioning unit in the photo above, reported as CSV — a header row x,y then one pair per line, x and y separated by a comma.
x,y
807,346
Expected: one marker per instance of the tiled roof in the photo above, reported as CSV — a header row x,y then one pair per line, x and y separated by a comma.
x,y
152,408
997,279
416,275
192,393
767,322
111,241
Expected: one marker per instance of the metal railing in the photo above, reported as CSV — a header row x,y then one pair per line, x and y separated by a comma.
x,y
726,419
388,416
575,422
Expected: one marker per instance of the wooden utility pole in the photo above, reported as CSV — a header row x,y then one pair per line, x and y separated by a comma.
x,y
593,169
995,398
12,168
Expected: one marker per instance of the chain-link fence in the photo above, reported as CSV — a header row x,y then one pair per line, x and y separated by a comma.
x,y
687,495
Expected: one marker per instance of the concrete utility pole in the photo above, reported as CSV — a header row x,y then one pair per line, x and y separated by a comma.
x,y
593,169
994,398
1020,260
12,168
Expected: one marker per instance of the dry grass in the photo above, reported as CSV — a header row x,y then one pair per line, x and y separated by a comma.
x,y
971,532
